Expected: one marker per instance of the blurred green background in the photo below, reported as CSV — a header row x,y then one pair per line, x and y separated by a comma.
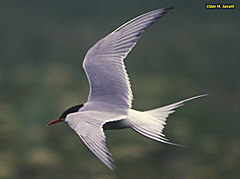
x,y
190,51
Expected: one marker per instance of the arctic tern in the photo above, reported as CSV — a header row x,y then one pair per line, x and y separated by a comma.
x,y
109,104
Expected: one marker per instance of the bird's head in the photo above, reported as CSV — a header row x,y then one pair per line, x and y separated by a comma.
x,y
65,113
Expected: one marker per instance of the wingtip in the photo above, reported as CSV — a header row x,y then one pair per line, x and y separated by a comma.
x,y
114,169
165,10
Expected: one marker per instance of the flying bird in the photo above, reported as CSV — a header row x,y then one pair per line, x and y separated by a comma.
x,y
109,104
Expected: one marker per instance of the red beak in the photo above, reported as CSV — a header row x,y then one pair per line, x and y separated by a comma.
x,y
54,121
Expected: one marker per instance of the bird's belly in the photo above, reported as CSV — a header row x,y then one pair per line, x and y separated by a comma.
x,y
120,124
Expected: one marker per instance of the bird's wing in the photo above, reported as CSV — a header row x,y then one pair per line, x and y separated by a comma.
x,y
104,64
89,127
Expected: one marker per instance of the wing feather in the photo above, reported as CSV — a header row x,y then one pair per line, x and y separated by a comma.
x,y
104,64
89,128
95,140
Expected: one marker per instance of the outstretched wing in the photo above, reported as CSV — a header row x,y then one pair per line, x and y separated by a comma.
x,y
89,128
96,142
104,64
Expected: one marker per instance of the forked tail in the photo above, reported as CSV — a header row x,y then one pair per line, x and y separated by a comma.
x,y
151,123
